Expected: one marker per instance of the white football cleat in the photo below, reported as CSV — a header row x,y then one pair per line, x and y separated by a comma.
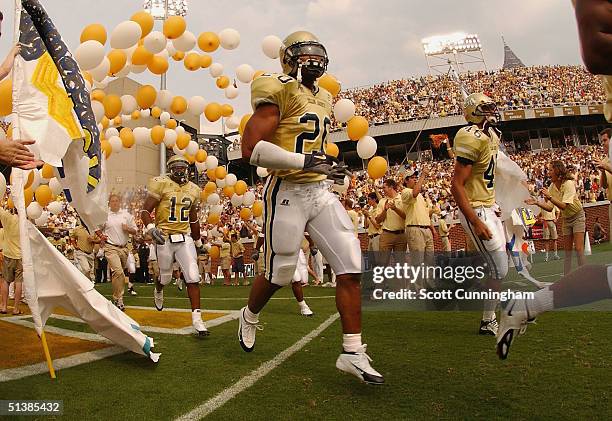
x,y
358,364
513,324
488,327
200,327
306,311
158,299
246,332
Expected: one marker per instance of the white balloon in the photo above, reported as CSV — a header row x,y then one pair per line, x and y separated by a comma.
x,y
212,162
142,135
124,71
245,73
170,138
230,179
179,130
126,117
88,85
229,38
192,147
102,84
55,207
216,69
145,113
155,42
98,110
196,105
366,147
55,186
344,110
237,200
42,220
2,185
125,35
128,104
170,48
249,198
178,151
138,69
262,172
129,52
34,210
231,92
111,132
342,188
115,143
220,182
216,209
163,99
185,42
213,199
89,55
232,123
271,46
216,233
201,167
100,72
164,117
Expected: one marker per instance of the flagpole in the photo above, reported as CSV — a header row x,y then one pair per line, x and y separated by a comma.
x,y
17,191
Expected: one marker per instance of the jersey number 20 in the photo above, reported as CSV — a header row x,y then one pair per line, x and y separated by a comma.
x,y
312,136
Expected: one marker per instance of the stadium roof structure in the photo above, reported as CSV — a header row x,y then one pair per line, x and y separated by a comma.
x,y
511,61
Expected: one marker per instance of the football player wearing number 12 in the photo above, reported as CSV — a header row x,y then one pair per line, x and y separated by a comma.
x,y
287,135
175,200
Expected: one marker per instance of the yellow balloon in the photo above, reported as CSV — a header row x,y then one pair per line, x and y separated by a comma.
x,y
87,76
212,112
332,149
95,32
205,61
220,172
257,208
157,134
189,158
330,83
240,187
210,187
245,214
117,120
174,27
28,195
6,97
112,106
141,56
145,96
192,61
158,65
208,42
227,110
377,167
214,251
106,148
117,59
182,141
178,105
228,191
135,115
127,137
213,218
145,20
97,95
105,122
357,127
201,155
44,195
9,131
211,174
223,82
29,181
156,112
258,73
171,124
243,122
178,56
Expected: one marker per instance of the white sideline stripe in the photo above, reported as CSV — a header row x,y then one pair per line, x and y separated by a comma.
x,y
59,364
250,379
58,330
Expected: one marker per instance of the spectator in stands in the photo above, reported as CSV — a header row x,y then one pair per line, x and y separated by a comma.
x,y
12,269
237,250
374,228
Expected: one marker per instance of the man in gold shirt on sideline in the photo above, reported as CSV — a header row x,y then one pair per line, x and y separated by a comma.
x,y
12,269
373,227
391,216
444,231
419,231
84,249
237,251
549,231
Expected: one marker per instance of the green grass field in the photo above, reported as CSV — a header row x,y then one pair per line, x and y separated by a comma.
x,y
434,364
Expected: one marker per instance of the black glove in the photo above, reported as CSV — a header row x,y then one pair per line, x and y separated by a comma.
x,y
321,163
314,251
157,235
255,256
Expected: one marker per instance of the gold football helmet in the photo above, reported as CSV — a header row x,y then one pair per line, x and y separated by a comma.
x,y
301,54
478,107
178,167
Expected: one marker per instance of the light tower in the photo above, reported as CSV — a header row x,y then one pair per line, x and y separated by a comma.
x,y
459,50
161,10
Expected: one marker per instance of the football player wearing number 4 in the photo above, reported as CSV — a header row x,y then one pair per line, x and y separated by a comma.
x,y
287,135
176,201
473,187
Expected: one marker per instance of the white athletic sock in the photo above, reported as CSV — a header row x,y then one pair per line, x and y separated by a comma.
x,y
302,304
196,314
489,309
351,342
250,317
543,301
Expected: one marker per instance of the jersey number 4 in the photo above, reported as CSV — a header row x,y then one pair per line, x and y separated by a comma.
x,y
489,174
183,212
312,136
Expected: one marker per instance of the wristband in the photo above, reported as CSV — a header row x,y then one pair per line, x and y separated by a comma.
x,y
150,226
268,155
198,243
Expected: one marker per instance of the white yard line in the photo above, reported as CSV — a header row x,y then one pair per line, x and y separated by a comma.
x,y
250,379
60,363
58,330
227,298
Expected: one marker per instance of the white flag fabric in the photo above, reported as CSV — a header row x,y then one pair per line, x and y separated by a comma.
x,y
510,191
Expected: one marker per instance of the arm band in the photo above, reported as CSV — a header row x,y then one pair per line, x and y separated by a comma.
x,y
268,155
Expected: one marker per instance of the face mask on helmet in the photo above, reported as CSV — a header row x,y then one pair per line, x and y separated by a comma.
x,y
178,172
489,112
308,61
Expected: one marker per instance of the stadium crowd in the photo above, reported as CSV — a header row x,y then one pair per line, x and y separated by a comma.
x,y
439,96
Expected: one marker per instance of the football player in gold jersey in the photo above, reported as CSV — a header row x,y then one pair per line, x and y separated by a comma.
x,y
176,230
473,187
287,135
